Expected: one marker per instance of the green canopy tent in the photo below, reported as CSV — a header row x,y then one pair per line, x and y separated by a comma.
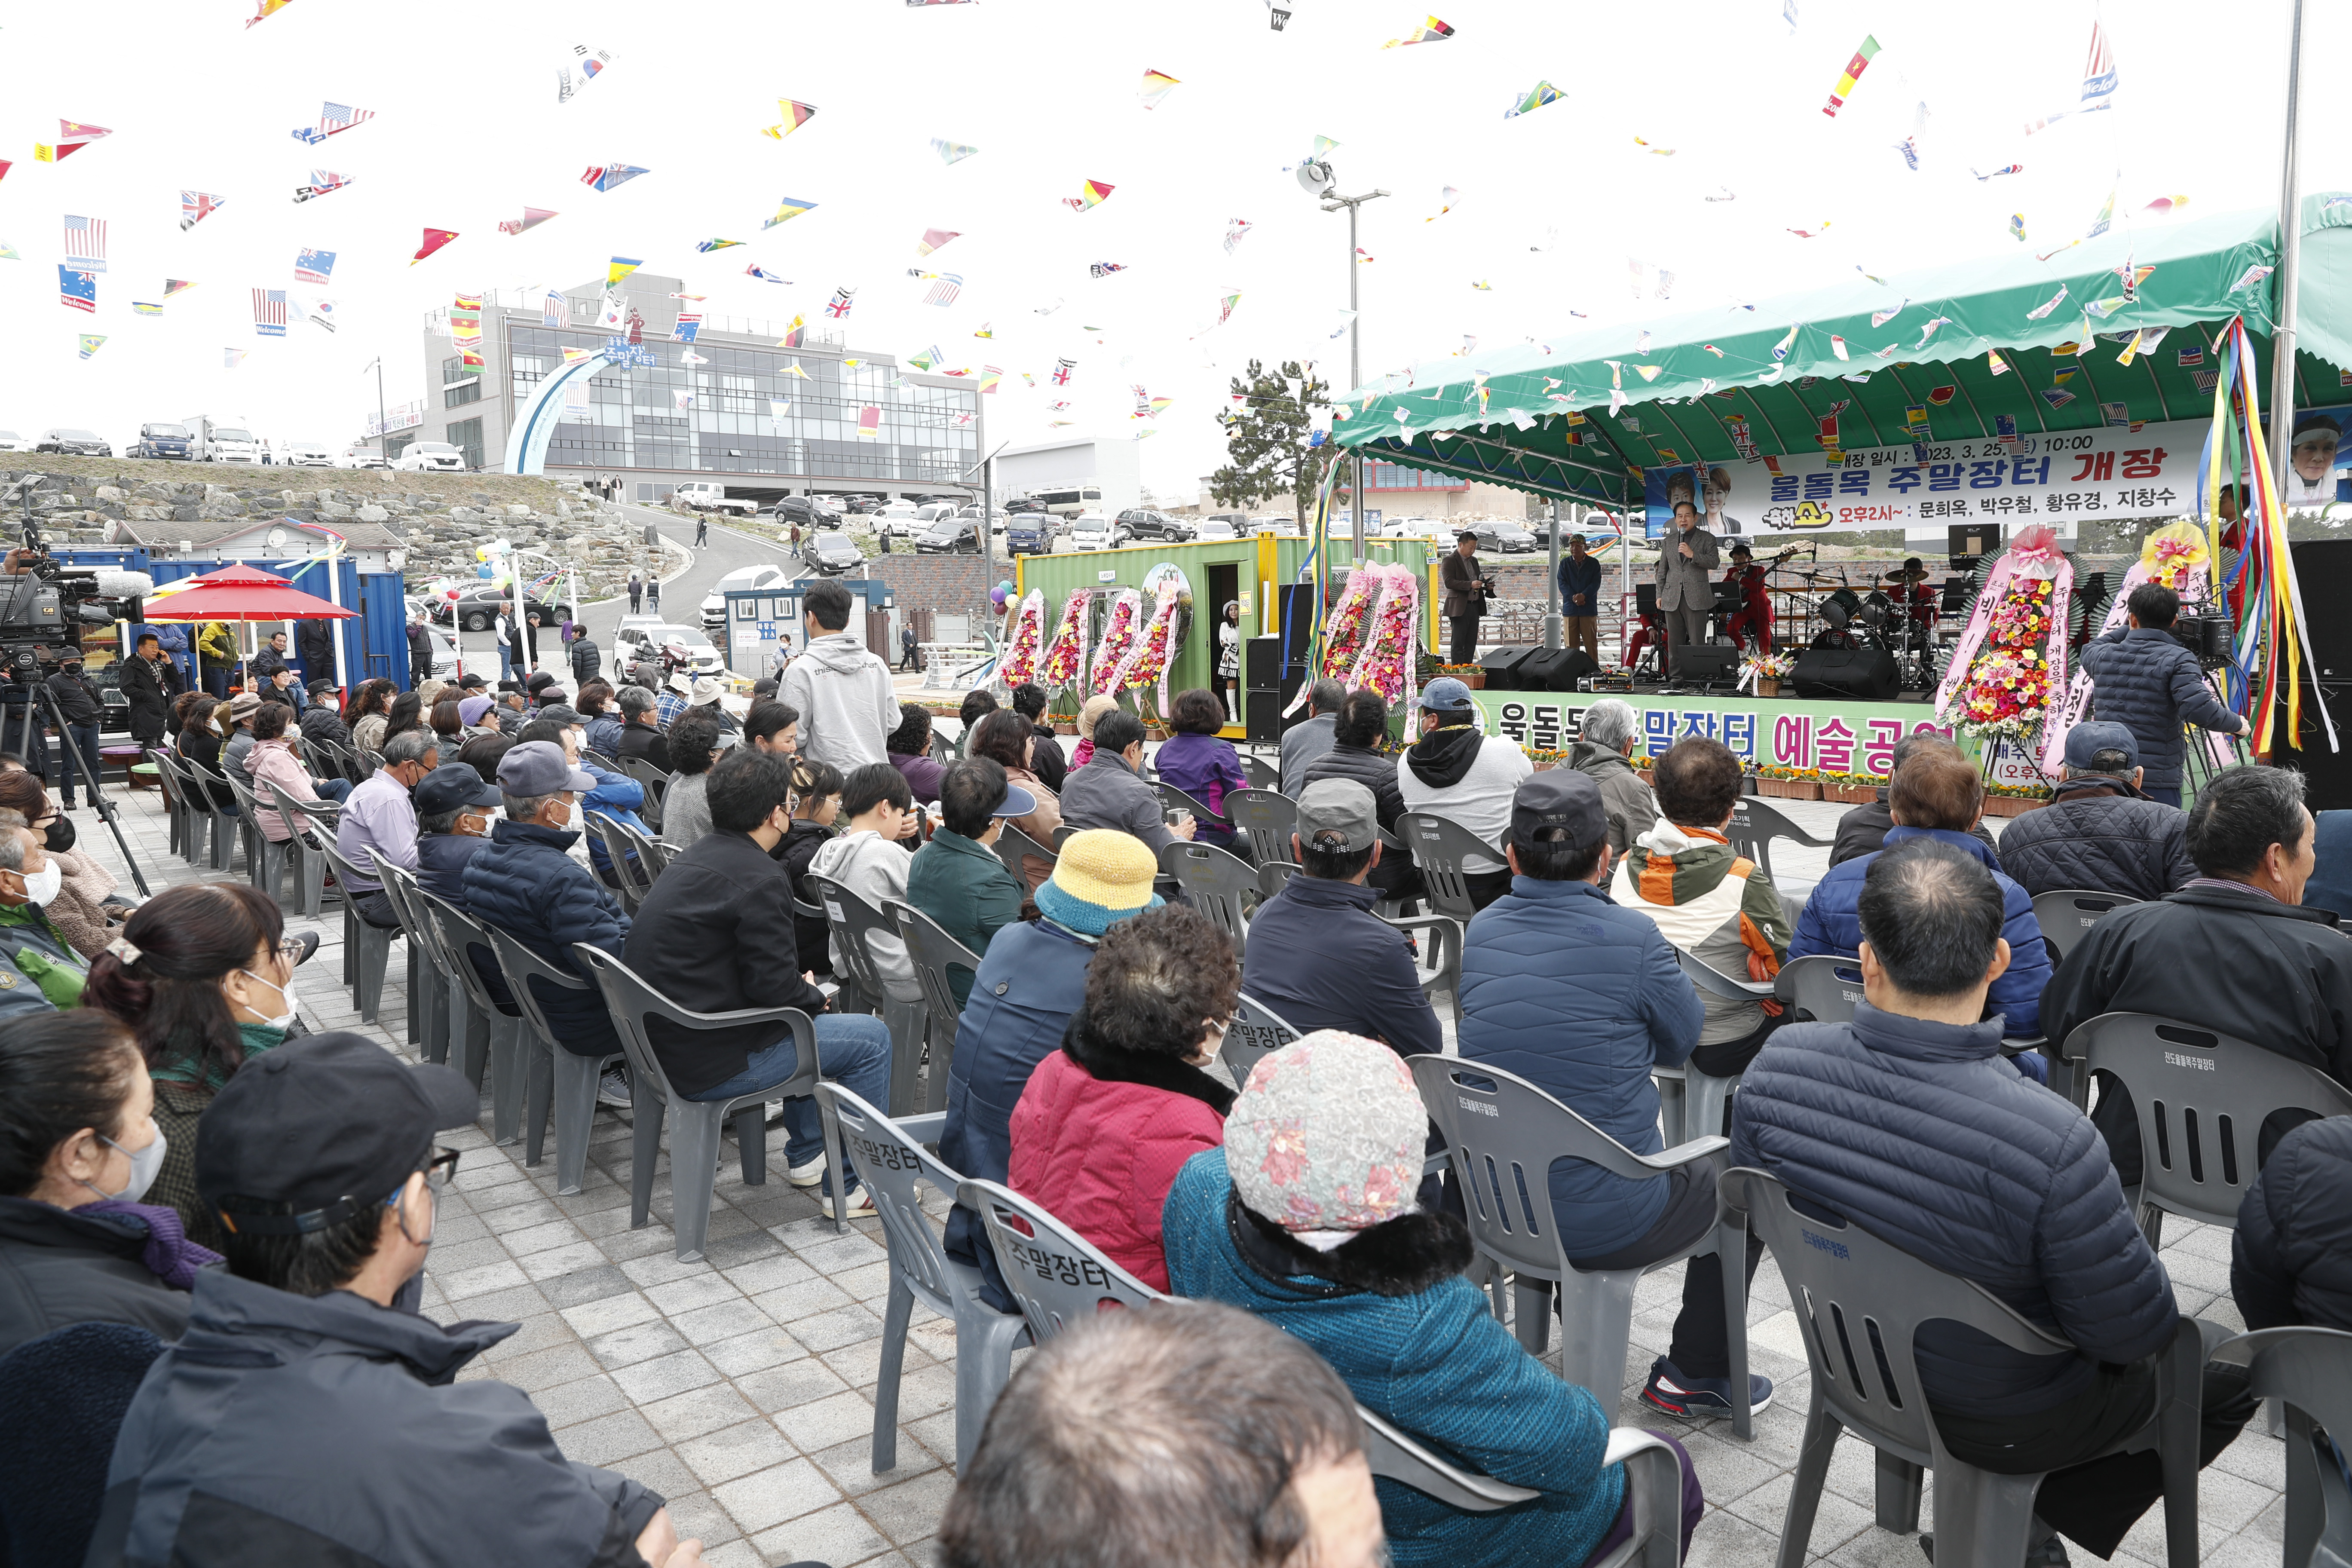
x,y
1778,366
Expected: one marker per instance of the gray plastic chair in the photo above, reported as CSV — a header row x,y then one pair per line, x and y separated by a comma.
x,y
2067,915
855,925
1755,825
890,1159
2201,1098
932,951
1220,885
367,947
1056,1275
552,1072
175,803
652,855
1855,1292
1439,845
629,883
1267,819
2309,1371
1261,774
1824,987
265,859
1502,1154
1257,1032
1174,799
1691,1103
1062,836
309,866
1273,875
1012,844
483,1035
207,839
693,1140
428,1000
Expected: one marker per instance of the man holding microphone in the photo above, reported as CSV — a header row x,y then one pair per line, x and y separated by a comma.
x,y
1687,582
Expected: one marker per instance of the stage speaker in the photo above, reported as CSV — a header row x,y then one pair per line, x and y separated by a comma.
x,y
1866,673
2328,775
1556,670
2322,568
1711,663
1502,664
1268,683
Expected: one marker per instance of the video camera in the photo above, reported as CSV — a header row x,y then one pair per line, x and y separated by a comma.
x,y
2208,637
44,603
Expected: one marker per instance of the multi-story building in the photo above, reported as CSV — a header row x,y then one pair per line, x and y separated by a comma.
x,y
763,418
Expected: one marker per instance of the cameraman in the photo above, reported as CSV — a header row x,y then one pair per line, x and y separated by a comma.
x,y
2145,679
83,709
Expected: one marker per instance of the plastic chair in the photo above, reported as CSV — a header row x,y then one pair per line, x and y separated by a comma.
x,y
204,785
693,1140
1502,1152
429,997
475,1015
1691,1103
2066,915
1214,883
889,1158
1267,819
1261,774
1256,1032
1754,826
1012,844
2201,1098
176,805
854,925
554,1072
1273,875
1062,836
367,947
1056,1274
652,855
62,1400
932,951
629,883
208,830
1862,1295
265,859
1174,799
1823,986
1439,845
309,866
2309,1371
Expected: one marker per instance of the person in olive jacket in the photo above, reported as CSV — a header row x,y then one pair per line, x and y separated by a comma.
x,y
957,879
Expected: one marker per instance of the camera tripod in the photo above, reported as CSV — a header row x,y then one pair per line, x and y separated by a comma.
x,y
18,723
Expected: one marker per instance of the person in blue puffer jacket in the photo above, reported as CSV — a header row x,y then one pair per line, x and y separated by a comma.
x,y
1905,1123
2145,679
617,795
1938,794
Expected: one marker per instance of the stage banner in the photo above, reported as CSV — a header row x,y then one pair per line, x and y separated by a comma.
x,y
1829,734
1925,487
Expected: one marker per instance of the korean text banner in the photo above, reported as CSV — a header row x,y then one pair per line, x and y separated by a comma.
x,y
1833,736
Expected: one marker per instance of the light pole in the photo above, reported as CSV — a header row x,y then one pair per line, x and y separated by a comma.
x,y
382,436
987,503
2289,267
1355,339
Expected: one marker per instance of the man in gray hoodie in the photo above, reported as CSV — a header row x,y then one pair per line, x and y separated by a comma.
x,y
843,692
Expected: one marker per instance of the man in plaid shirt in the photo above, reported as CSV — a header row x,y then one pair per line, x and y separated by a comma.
x,y
670,701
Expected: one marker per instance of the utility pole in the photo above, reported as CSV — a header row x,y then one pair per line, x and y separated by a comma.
x,y
1551,591
1355,350
2282,422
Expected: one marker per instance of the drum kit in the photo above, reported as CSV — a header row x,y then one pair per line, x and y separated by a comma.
x,y
1825,610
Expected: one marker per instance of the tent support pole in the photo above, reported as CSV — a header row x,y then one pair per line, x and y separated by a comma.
x,y
2282,420
1552,590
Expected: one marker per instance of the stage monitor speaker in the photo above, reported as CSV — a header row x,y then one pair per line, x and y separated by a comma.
x,y
2328,775
1866,673
1502,664
1710,663
2322,568
1268,684
1556,670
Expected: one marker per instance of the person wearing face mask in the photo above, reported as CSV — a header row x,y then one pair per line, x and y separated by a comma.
x,y
85,910
78,1149
202,974
42,970
454,811
379,820
302,1385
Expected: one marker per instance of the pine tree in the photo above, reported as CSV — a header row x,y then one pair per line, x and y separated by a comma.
x,y
1266,438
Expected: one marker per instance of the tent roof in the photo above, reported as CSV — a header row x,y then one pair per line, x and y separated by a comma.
x,y
1521,437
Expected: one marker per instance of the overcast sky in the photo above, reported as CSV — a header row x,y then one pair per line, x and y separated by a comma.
x,y
468,130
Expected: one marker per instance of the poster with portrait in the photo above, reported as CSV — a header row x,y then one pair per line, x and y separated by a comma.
x,y
1711,490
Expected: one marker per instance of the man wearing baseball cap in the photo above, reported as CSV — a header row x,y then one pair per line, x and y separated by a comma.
x,y
1589,1031
1317,955
2100,833
300,1388
1458,772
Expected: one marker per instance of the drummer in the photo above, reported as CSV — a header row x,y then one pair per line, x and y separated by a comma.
x,y
1753,619
1921,595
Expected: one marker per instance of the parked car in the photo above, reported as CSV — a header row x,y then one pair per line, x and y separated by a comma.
x,y
1214,528
430,457
702,494
68,441
1280,523
830,553
475,608
809,511
957,535
1509,538
363,458
1093,530
1143,523
11,442
1028,533
163,440
1019,504
309,455
643,637
897,520
860,506
714,604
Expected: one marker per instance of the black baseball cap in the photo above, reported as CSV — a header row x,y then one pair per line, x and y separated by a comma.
x,y
449,786
471,681
319,1130
1559,798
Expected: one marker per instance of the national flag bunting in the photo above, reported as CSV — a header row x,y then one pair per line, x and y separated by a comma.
x,y
609,176
796,115
1091,194
78,290
333,119
269,313
554,310
1430,32
708,246
1061,369
620,267
1854,69
689,322
197,205
72,136
839,306
142,308
322,182
990,376
793,333
532,218
787,209
88,342
314,266
177,286
869,423
85,243
933,238
434,238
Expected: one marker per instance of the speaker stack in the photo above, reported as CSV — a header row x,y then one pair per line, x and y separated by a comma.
x,y
1269,681
1503,664
1867,673
1556,670
2322,568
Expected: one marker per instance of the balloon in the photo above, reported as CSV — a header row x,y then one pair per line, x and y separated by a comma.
x,y
482,572
1005,587
996,597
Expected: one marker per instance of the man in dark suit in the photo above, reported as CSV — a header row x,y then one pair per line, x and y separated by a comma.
x,y
1686,581
1467,589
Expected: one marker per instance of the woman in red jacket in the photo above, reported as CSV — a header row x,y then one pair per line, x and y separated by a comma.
x,y
1108,1120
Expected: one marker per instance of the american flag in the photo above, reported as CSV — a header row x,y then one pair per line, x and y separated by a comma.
x,y
334,117
85,243
945,289
2098,71
269,313
688,323
78,290
313,265
553,311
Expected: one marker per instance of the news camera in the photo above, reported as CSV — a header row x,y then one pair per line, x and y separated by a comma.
x,y
44,604
2209,636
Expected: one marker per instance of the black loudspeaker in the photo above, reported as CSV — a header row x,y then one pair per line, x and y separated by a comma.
x,y
1556,670
2328,775
1867,673
2323,569
1502,664
1706,663
1268,683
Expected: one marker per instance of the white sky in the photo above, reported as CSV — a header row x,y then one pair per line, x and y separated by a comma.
x,y
468,130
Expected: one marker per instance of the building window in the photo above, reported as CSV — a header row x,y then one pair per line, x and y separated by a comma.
x,y
467,437
1389,477
454,371
393,445
466,390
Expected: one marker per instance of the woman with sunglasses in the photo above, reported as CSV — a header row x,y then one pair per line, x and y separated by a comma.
x,y
203,975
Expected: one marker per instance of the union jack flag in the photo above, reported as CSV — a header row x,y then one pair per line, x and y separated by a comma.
x,y
1062,368
86,243
197,205
688,323
269,313
78,290
839,306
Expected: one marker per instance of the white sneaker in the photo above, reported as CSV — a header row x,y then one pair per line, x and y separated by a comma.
x,y
861,1203
807,1175
613,1088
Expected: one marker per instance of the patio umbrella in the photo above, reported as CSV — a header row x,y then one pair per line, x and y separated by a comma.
x,y
239,593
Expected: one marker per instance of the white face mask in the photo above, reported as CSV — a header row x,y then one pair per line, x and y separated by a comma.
x,y
41,886
145,1163
285,994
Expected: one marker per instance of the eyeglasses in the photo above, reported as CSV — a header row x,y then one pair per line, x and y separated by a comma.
x,y
290,949
440,1169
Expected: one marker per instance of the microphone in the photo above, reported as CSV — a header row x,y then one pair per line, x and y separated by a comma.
x,y
114,582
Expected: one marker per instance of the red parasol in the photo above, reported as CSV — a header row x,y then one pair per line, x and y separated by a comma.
x,y
241,593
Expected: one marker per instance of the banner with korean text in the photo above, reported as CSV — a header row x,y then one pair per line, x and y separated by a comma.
x,y
1829,734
